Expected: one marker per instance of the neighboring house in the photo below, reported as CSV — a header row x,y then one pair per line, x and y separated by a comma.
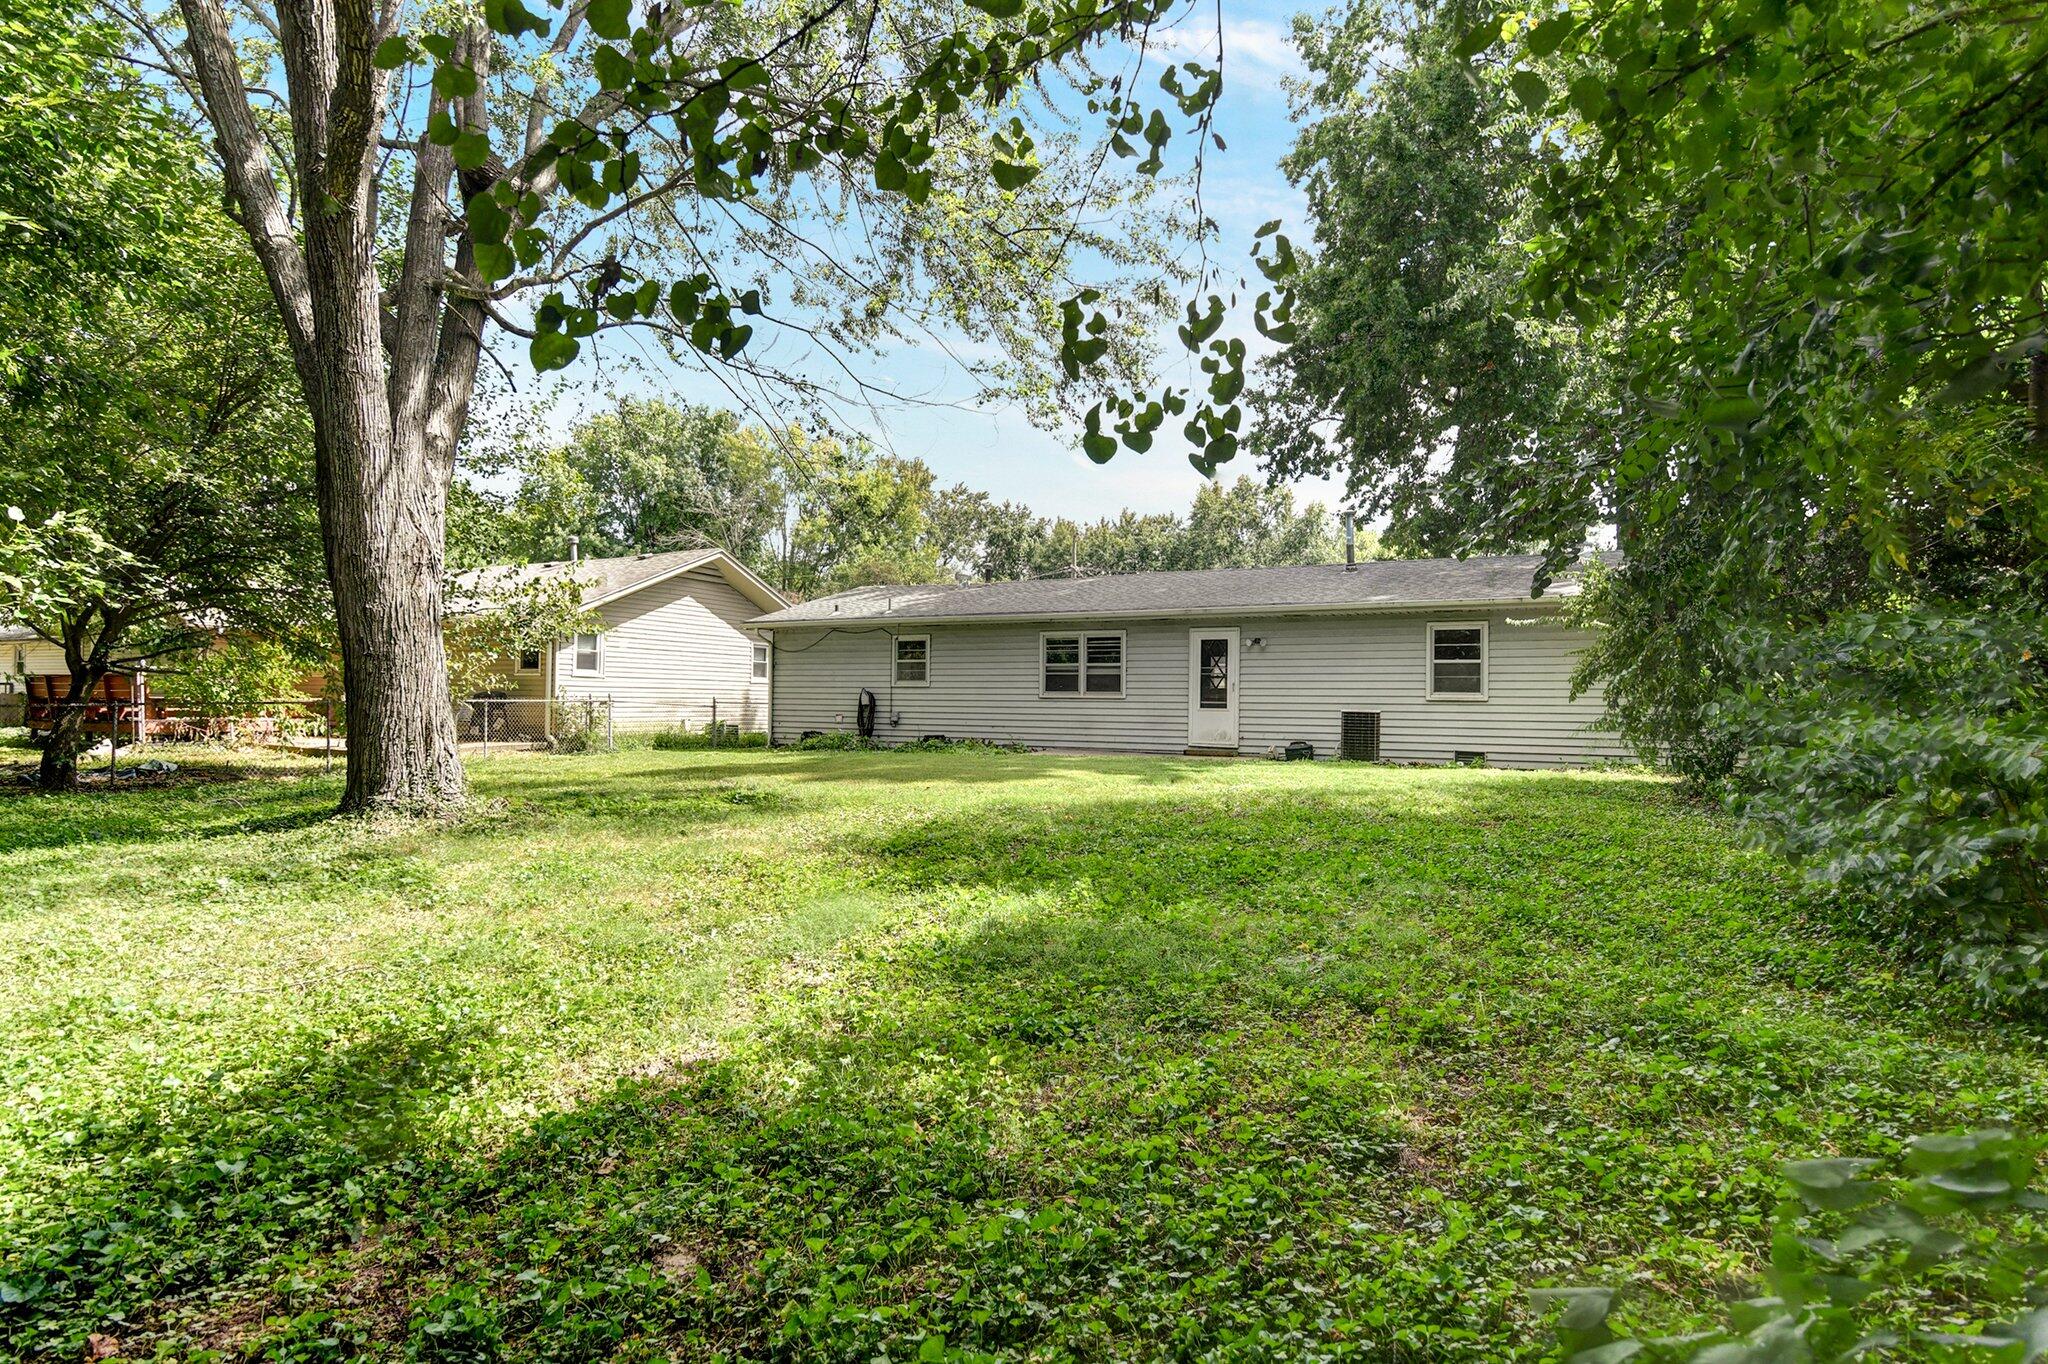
x,y
676,639
25,654
1419,660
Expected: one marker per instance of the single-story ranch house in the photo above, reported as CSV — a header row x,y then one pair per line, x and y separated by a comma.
x,y
676,639
1430,660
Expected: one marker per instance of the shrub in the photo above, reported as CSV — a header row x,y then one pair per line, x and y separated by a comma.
x,y
579,731
727,735
1904,754
834,742
1857,1252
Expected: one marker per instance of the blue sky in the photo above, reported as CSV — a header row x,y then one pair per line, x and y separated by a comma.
x,y
995,447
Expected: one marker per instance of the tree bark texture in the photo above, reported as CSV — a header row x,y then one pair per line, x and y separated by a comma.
x,y
387,403
57,772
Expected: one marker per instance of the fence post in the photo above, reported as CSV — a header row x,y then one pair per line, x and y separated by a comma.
x,y
487,726
113,738
607,722
327,739
714,722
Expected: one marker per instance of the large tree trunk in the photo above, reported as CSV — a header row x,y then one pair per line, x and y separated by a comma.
x,y
66,739
385,425
382,517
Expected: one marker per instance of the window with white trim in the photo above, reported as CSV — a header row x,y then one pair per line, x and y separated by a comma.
x,y
1081,665
1457,660
589,655
760,663
913,660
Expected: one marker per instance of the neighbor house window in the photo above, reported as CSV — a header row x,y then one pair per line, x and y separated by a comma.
x,y
913,660
760,663
1457,661
589,654
1081,665
529,660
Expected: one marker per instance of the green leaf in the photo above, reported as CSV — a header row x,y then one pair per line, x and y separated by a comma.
x,y
488,222
614,68
1012,175
471,150
1478,39
1836,1182
493,261
1732,414
999,9
1549,35
392,53
1098,447
454,80
552,350
512,18
610,18
1530,89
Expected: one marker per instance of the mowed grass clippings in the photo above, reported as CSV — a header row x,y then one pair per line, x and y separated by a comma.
x,y
687,1055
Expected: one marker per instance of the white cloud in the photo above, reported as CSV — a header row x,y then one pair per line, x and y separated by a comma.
x,y
1257,53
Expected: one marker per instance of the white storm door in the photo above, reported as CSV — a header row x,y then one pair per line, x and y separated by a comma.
x,y
1212,689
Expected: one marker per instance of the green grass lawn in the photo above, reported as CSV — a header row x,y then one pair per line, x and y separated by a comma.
x,y
950,1055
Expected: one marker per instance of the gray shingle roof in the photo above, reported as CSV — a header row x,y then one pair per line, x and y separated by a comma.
x,y
1376,585
601,578
10,634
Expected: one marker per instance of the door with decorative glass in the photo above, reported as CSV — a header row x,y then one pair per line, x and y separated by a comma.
x,y
1212,689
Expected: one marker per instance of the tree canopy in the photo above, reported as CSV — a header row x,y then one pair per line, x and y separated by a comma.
x,y
413,181
1417,370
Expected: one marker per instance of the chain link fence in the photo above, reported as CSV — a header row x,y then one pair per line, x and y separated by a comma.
x,y
532,722
120,726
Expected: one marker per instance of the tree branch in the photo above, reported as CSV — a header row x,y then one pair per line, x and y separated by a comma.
x,y
246,166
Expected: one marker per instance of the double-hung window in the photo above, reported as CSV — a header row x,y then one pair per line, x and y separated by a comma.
x,y
913,660
1081,665
589,655
1457,661
760,663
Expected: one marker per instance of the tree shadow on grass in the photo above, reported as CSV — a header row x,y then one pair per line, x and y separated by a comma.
x,y
1254,1078
967,767
162,1204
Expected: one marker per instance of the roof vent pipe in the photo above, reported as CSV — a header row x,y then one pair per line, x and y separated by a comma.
x,y
575,548
1350,545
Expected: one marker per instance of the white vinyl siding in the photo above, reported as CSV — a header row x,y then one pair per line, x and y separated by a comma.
x,y
28,658
1304,671
670,650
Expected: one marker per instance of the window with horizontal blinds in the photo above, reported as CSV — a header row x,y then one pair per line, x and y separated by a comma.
x,y
1081,665
1457,660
